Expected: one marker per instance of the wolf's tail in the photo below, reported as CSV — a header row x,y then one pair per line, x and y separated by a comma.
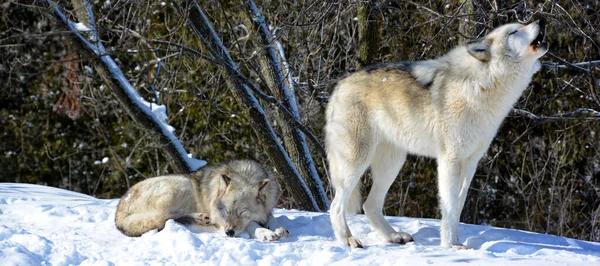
x,y
136,224
354,205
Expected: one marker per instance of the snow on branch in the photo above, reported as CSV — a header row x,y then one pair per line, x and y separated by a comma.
x,y
150,116
289,99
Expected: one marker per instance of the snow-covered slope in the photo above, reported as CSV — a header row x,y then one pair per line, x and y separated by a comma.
x,y
49,226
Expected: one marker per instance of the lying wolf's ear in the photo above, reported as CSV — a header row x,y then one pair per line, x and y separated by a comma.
x,y
479,49
263,184
226,179
262,195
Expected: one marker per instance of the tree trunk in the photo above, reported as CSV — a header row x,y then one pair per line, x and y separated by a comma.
x,y
297,187
294,139
368,33
475,26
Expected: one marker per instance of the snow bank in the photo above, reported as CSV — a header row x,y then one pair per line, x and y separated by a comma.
x,y
49,226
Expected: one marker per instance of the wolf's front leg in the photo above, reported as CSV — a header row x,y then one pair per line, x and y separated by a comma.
x,y
274,225
449,186
261,233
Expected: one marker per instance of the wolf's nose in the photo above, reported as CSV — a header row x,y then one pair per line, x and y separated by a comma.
x,y
542,23
230,233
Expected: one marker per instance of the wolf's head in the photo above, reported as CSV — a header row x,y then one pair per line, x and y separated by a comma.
x,y
515,43
245,192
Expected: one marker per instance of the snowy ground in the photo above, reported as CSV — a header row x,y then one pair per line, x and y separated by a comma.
x,y
49,226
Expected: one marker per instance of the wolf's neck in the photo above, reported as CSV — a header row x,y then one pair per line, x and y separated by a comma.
x,y
509,83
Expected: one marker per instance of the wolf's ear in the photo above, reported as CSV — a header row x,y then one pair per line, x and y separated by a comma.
x,y
263,184
226,180
479,49
262,195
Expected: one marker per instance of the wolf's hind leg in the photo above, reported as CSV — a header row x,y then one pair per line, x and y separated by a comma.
x,y
345,178
387,162
194,218
136,224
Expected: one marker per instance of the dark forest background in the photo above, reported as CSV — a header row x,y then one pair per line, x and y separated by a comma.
x,y
61,125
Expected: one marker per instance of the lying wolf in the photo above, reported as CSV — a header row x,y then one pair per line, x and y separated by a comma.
x,y
235,197
448,108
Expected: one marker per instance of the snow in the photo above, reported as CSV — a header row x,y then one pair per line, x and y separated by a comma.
x,y
81,27
48,226
106,4
84,29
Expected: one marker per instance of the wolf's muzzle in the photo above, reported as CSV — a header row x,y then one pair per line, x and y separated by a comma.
x,y
230,233
539,42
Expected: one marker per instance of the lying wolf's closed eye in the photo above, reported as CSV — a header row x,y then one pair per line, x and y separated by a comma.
x,y
221,208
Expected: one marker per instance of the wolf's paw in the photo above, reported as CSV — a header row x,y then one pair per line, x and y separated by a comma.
x,y
266,235
401,238
282,232
353,242
459,247
202,219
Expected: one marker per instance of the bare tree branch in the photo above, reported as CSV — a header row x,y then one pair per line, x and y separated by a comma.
x,y
588,64
584,114
264,96
189,50
137,108
202,27
294,138
572,66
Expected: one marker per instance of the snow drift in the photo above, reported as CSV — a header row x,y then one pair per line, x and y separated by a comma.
x,y
48,226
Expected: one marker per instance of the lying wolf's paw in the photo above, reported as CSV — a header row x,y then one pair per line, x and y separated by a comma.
x,y
401,238
266,235
194,219
353,242
202,219
282,232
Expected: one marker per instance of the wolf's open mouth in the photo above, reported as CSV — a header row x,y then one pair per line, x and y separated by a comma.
x,y
539,40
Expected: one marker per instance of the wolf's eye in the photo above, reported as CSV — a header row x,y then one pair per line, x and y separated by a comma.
x,y
513,32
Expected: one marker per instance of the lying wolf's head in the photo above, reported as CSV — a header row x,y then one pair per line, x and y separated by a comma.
x,y
244,192
516,42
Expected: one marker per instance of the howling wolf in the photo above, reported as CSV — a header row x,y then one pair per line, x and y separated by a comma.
x,y
448,108
235,197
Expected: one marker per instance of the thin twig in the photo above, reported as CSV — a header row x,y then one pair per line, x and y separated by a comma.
x,y
588,64
188,49
157,74
565,62
584,114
